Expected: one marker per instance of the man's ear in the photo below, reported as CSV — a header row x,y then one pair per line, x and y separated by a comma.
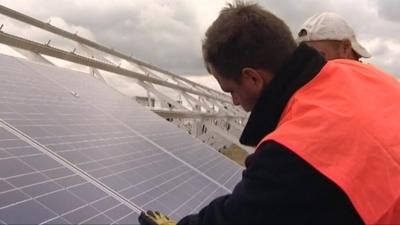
x,y
348,51
256,78
346,46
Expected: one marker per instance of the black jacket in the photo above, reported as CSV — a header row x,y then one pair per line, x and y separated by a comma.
x,y
279,187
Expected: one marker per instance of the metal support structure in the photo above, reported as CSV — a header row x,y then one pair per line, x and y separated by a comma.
x,y
96,74
163,97
33,56
212,117
18,42
199,103
73,36
224,134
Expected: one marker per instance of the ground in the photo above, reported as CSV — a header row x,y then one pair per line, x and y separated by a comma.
x,y
235,153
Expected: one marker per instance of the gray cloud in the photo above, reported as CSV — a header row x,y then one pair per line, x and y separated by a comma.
x,y
293,12
388,9
162,33
384,56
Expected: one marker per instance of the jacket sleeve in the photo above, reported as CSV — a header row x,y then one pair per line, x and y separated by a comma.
x,y
278,187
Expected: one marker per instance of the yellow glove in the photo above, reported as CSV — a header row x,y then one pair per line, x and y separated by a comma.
x,y
155,218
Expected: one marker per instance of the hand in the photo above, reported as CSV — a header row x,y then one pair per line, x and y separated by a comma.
x,y
155,218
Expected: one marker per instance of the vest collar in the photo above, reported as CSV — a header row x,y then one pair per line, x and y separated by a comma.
x,y
303,66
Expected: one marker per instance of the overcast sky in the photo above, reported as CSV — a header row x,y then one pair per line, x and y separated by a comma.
x,y
168,33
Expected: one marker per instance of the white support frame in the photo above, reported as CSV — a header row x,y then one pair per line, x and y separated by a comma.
x,y
217,106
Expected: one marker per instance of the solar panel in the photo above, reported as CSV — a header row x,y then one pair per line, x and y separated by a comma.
x,y
102,137
35,188
146,124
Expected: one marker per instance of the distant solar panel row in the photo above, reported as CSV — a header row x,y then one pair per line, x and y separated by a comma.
x,y
85,136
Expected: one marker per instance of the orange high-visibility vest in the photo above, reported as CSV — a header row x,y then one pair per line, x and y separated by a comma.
x,y
346,124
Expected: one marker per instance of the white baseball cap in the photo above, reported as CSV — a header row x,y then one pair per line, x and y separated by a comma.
x,y
330,26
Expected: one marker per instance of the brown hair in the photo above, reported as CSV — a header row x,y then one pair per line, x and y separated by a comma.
x,y
246,35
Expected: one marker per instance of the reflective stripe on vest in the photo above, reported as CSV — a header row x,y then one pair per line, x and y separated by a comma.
x,y
346,124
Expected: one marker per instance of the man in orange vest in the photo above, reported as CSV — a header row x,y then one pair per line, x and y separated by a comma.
x,y
327,133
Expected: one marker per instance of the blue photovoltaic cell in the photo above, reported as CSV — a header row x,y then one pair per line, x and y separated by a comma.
x,y
127,148
35,189
166,135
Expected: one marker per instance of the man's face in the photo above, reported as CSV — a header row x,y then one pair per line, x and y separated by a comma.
x,y
244,93
328,49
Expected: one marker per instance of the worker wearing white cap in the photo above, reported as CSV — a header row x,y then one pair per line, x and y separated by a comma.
x,y
332,36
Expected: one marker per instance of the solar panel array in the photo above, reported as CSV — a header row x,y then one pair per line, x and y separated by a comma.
x,y
72,150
